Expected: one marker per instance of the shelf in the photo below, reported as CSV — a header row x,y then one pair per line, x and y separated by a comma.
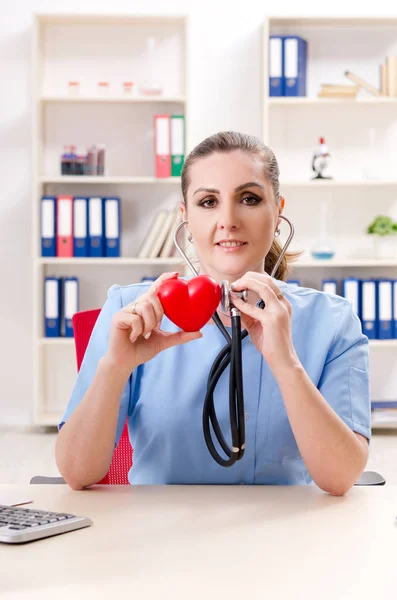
x,y
109,261
109,180
383,343
56,341
109,19
327,183
384,419
332,21
347,262
114,99
304,101
48,419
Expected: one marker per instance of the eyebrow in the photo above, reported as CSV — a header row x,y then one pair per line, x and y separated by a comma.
x,y
237,189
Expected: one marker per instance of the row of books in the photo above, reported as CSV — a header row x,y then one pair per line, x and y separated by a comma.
x,y
79,227
169,138
159,240
61,302
373,300
388,76
287,65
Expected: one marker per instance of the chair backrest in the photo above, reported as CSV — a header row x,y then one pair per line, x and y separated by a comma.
x,y
83,324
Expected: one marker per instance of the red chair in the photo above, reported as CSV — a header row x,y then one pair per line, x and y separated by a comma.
x,y
83,324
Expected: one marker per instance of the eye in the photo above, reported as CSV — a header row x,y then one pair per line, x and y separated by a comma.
x,y
205,202
251,200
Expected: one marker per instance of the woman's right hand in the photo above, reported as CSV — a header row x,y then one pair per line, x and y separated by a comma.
x,y
128,346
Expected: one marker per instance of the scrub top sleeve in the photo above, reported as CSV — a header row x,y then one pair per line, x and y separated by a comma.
x,y
344,382
97,348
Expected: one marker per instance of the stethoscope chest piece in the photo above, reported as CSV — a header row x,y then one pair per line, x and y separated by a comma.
x,y
225,295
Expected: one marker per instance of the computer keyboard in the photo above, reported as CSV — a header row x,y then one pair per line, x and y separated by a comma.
x,y
19,525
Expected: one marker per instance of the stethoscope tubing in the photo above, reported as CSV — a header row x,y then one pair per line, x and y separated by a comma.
x,y
231,354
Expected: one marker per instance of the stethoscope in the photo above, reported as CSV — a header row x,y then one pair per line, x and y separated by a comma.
x,y
230,353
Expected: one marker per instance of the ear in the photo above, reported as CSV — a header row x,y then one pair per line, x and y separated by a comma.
x,y
182,208
280,209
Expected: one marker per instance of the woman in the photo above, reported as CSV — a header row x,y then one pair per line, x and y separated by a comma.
x,y
305,363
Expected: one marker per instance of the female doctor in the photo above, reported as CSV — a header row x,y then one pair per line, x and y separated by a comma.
x,y
305,362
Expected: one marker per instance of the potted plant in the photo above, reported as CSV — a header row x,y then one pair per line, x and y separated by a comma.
x,y
384,230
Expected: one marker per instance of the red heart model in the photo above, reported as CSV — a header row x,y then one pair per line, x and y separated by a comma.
x,y
189,304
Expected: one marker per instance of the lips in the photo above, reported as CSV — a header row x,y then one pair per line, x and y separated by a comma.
x,y
230,243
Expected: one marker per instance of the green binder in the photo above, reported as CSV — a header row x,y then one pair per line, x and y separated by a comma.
x,y
177,144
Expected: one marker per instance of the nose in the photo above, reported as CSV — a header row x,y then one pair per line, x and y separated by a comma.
x,y
228,217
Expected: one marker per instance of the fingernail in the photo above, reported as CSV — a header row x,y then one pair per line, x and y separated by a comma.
x,y
147,336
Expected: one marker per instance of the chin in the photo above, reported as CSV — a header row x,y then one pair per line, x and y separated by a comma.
x,y
233,270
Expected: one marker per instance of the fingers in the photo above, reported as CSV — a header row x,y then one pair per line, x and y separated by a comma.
x,y
261,277
247,309
163,277
127,320
147,315
180,337
151,317
262,288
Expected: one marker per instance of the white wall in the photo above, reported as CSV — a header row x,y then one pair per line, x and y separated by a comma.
x,y
225,92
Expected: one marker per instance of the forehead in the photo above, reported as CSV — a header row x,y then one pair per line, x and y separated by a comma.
x,y
226,170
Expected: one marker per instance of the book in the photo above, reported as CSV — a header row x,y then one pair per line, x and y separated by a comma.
x,y
329,90
169,247
383,81
177,144
162,235
276,66
295,65
362,83
391,62
153,232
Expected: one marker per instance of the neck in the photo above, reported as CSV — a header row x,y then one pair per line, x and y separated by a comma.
x,y
230,278
253,297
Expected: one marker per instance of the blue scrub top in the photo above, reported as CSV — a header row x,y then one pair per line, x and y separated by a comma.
x,y
164,397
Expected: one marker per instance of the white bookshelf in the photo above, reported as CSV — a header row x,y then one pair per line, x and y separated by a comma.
x,y
70,48
115,99
292,127
158,262
109,180
314,102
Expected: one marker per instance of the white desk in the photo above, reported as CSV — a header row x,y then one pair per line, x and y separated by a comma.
x,y
223,542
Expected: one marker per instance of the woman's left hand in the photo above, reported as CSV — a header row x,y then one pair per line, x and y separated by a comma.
x,y
269,328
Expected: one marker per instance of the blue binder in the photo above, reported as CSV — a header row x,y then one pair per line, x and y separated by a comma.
x,y
369,308
351,290
295,65
95,227
52,306
70,304
330,286
48,226
385,309
395,309
276,65
112,226
80,227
